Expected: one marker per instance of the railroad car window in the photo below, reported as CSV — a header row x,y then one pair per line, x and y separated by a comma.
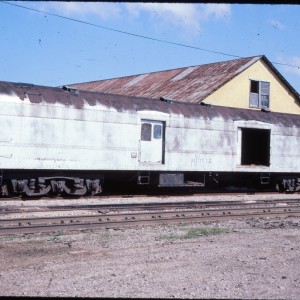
x,y
146,132
259,94
255,147
157,131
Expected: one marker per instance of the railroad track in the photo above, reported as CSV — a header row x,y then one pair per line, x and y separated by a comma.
x,y
150,214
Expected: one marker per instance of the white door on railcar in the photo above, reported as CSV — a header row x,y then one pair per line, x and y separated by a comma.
x,y
152,141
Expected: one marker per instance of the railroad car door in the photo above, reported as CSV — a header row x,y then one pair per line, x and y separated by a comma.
x,y
152,141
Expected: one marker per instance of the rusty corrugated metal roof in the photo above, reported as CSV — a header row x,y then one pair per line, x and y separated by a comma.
x,y
189,84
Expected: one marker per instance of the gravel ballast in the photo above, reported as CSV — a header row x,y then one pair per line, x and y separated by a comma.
x,y
256,259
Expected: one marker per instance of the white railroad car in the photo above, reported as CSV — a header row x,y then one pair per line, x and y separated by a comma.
x,y
65,141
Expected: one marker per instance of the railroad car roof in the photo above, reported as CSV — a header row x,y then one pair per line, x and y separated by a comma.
x,y
79,99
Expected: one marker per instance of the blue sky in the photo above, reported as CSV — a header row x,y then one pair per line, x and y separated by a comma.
x,y
43,49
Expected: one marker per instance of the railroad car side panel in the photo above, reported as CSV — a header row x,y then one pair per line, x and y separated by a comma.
x,y
199,147
66,139
285,150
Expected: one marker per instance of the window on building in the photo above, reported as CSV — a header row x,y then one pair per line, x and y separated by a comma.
x,y
259,94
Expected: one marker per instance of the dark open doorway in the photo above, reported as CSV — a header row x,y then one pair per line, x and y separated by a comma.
x,y
255,147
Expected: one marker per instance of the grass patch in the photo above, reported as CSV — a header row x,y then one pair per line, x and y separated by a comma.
x,y
193,233
57,235
10,237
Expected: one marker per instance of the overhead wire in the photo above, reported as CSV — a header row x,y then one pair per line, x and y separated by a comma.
x,y
134,34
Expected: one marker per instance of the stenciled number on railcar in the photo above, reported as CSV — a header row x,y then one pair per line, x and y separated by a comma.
x,y
199,161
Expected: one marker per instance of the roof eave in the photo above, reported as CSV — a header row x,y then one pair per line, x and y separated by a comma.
x,y
278,74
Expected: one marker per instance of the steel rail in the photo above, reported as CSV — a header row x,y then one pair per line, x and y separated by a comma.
x,y
31,225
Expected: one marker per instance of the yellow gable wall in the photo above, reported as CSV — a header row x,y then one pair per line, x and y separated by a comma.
x,y
236,92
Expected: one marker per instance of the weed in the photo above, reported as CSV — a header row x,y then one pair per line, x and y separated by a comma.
x,y
193,233
56,236
11,237
169,237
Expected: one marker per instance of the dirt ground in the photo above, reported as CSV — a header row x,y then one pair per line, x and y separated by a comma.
x,y
255,259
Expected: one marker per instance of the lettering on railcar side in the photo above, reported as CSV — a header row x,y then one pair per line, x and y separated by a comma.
x,y
199,161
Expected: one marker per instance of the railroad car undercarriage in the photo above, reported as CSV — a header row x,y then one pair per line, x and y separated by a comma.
x,y
35,184
48,183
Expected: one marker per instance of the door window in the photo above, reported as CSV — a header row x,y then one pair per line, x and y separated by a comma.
x,y
146,132
157,131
